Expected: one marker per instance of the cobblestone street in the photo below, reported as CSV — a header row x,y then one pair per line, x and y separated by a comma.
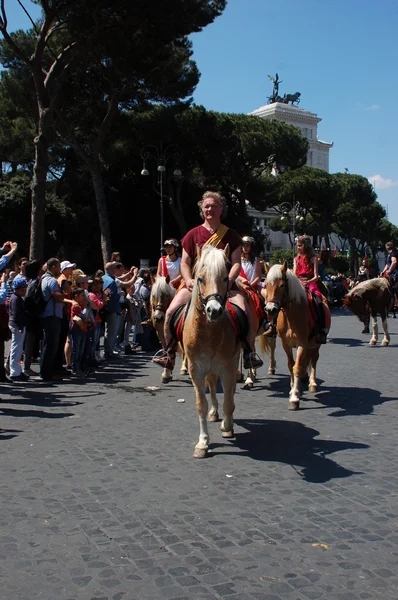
x,y
102,500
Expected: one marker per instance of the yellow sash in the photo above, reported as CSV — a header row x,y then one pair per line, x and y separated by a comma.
x,y
217,237
214,240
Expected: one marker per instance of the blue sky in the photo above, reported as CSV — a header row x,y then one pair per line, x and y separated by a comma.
x,y
340,54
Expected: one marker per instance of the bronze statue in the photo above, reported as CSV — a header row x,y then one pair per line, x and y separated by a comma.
x,y
293,98
275,96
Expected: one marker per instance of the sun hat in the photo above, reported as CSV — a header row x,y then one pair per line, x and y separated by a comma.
x,y
65,264
248,239
19,282
82,278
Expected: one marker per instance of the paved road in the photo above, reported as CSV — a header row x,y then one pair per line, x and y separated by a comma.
x,y
101,499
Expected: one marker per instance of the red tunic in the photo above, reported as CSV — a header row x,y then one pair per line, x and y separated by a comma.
x,y
305,270
200,235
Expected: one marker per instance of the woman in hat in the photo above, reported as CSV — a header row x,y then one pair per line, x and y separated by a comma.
x,y
169,265
251,267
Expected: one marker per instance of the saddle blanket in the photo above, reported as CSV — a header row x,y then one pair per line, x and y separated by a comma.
x,y
313,311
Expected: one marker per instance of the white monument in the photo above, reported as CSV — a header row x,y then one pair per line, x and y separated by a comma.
x,y
317,156
307,123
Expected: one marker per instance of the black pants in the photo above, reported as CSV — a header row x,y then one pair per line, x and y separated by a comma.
x,y
60,354
52,329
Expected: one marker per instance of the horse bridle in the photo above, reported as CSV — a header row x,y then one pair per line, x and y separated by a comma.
x,y
280,305
159,307
203,301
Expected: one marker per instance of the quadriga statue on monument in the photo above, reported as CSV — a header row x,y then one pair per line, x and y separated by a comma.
x,y
293,98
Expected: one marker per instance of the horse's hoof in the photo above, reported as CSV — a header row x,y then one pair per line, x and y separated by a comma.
x,y
372,343
200,453
227,434
271,371
167,379
385,343
213,417
184,372
248,386
313,389
294,405
239,377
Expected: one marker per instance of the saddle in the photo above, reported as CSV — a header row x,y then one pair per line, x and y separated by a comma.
x,y
313,313
237,316
256,303
177,321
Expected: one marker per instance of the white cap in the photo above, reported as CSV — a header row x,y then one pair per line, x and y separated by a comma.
x,y
65,264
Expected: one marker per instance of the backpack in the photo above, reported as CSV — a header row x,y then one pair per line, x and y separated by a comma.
x,y
34,299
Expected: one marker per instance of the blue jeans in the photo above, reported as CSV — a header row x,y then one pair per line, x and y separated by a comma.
x,y
52,329
78,342
17,341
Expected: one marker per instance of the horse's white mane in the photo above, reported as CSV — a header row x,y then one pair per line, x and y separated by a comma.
x,y
296,290
213,260
161,288
379,283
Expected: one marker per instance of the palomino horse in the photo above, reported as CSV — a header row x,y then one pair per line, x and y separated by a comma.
x,y
371,297
211,344
287,306
161,296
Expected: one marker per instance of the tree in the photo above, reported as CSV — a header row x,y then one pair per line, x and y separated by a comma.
x,y
70,34
312,192
226,152
355,197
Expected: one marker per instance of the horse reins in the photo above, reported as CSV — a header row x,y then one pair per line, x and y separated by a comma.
x,y
203,301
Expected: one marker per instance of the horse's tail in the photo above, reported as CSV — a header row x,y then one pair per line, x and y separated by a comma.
x,y
266,344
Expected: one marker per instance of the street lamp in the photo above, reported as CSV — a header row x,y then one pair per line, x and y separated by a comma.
x,y
161,156
286,209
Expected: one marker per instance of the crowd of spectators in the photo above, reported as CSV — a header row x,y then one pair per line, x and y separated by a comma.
x,y
72,323
69,322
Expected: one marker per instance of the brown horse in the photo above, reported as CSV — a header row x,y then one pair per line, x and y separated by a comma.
x,y
287,306
371,297
162,294
211,344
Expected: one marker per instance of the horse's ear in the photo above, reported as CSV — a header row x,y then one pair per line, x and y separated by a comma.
x,y
267,267
198,253
227,251
284,267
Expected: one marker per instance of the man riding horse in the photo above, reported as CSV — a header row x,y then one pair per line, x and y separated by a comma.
x,y
212,232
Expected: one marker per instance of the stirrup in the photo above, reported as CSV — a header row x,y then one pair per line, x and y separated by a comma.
x,y
165,359
251,360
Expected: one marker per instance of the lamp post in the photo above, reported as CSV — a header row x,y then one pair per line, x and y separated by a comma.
x,y
288,208
161,156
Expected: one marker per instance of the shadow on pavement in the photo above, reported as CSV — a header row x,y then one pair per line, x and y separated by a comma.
x,y
292,443
38,414
350,401
350,342
8,434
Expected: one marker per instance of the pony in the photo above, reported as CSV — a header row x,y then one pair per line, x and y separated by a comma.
x,y
210,343
251,376
287,307
371,297
162,294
